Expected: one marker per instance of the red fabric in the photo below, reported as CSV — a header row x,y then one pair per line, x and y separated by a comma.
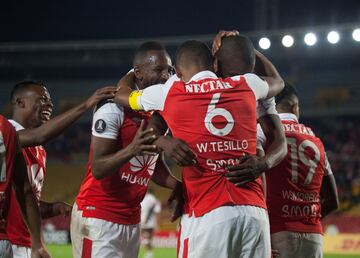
x,y
8,146
186,248
185,112
295,206
35,158
116,198
87,246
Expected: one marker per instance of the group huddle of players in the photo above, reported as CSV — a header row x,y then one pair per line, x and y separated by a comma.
x,y
255,182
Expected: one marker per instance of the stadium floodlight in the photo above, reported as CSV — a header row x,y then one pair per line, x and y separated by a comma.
x,y
356,35
310,39
264,43
287,41
333,37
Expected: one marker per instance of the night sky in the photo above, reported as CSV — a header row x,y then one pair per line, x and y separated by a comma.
x,y
109,19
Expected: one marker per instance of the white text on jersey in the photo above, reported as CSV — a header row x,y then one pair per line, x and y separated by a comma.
x,y
207,86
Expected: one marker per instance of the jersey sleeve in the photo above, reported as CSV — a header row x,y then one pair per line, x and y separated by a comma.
x,y
260,138
265,107
153,98
328,170
259,86
107,120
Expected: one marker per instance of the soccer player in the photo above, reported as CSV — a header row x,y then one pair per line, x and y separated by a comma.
x,y
150,209
32,108
13,173
217,119
301,189
106,215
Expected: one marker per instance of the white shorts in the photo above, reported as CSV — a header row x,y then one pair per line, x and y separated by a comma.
x,y
228,231
21,251
98,238
5,249
297,244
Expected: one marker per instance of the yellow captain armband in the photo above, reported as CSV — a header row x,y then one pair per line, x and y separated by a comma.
x,y
133,100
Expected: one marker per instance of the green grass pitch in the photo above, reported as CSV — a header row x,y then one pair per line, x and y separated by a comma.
x,y
64,251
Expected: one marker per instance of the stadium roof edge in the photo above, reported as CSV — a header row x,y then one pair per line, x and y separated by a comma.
x,y
168,41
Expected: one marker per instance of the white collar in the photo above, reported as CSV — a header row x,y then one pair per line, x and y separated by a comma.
x,y
202,75
288,116
16,125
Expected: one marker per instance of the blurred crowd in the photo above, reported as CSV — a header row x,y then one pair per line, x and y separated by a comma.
x,y
340,135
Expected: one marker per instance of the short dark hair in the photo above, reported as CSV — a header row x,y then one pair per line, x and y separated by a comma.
x,y
194,52
236,55
287,95
23,85
145,47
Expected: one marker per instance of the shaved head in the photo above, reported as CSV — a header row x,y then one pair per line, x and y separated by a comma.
x,y
235,56
141,53
21,87
194,53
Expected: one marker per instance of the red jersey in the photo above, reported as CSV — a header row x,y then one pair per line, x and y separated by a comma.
x,y
117,197
293,186
35,158
8,149
217,119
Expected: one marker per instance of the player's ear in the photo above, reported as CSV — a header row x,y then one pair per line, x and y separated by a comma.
x,y
215,64
178,71
138,74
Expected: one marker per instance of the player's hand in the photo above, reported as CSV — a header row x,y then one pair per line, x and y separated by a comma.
x,y
100,94
217,40
62,208
177,150
142,144
40,253
177,197
249,168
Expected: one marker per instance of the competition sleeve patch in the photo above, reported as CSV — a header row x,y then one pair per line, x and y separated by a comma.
x,y
133,100
100,126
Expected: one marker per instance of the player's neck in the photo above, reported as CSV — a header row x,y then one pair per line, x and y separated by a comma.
x,y
21,120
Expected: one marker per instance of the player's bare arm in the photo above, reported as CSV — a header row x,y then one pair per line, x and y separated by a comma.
x,y
124,90
271,75
28,206
49,210
328,195
55,126
107,157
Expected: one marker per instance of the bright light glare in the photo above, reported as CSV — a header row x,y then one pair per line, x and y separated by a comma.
x,y
356,35
264,43
287,41
333,37
310,39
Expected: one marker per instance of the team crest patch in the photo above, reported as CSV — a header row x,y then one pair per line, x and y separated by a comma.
x,y
100,126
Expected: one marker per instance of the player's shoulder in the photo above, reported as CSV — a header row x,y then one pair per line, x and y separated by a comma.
x,y
108,106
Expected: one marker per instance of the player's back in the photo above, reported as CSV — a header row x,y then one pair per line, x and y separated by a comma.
x,y
217,119
293,186
8,148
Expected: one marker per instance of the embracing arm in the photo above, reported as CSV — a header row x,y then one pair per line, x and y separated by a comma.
x,y
271,75
56,125
106,158
328,191
49,209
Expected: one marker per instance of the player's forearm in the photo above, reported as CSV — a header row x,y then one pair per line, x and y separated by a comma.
x,y
109,164
163,176
47,210
124,90
328,195
272,76
52,128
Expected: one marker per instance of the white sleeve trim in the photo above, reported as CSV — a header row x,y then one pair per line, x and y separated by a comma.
x,y
260,138
259,86
265,107
153,97
327,170
107,120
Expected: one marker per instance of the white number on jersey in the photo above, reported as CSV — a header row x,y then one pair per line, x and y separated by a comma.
x,y
212,111
2,159
297,152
